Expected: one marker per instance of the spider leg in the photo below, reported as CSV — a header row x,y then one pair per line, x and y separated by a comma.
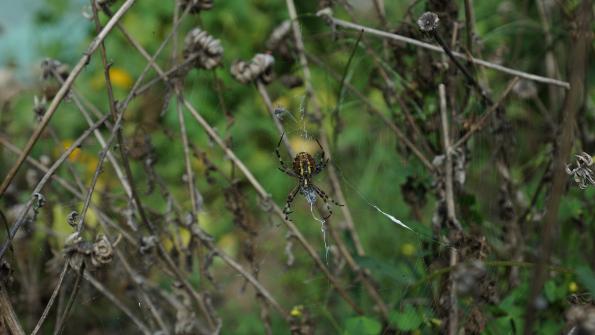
x,y
283,167
287,209
326,200
320,165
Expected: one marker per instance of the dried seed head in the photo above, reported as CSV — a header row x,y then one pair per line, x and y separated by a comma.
x,y
581,170
428,21
196,5
51,66
73,219
259,67
103,251
39,106
203,47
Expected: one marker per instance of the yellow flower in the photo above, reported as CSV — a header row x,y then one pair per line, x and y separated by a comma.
x,y
296,311
572,287
408,249
120,78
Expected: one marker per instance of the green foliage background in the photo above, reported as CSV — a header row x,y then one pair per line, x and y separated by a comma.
x,y
373,164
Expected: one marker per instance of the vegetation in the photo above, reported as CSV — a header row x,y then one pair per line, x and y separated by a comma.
x,y
141,190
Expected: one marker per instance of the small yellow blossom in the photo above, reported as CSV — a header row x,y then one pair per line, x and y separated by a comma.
x,y
296,311
572,287
408,249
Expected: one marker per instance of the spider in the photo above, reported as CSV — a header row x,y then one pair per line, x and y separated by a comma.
x,y
305,167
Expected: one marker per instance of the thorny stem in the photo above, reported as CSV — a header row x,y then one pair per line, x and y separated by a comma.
x,y
428,46
63,92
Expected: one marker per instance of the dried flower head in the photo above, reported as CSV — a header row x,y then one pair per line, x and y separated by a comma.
x,y
51,66
259,67
196,5
40,106
103,251
582,173
428,21
73,219
203,47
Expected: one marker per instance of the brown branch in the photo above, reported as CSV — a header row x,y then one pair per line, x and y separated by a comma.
x,y
432,47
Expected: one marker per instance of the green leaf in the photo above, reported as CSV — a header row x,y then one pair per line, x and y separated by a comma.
x,y
409,319
362,325
587,278
550,290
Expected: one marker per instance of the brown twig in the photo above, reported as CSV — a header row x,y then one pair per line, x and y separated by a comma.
x,y
50,303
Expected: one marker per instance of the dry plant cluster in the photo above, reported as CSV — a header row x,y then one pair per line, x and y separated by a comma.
x,y
140,246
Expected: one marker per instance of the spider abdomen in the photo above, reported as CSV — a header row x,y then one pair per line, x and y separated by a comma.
x,y
304,165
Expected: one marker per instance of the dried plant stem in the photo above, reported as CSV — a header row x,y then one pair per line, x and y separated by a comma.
x,y
574,100
21,218
50,303
432,47
140,208
470,24
249,277
484,118
78,103
63,91
7,315
453,311
189,174
74,291
69,187
114,300
448,170
267,101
